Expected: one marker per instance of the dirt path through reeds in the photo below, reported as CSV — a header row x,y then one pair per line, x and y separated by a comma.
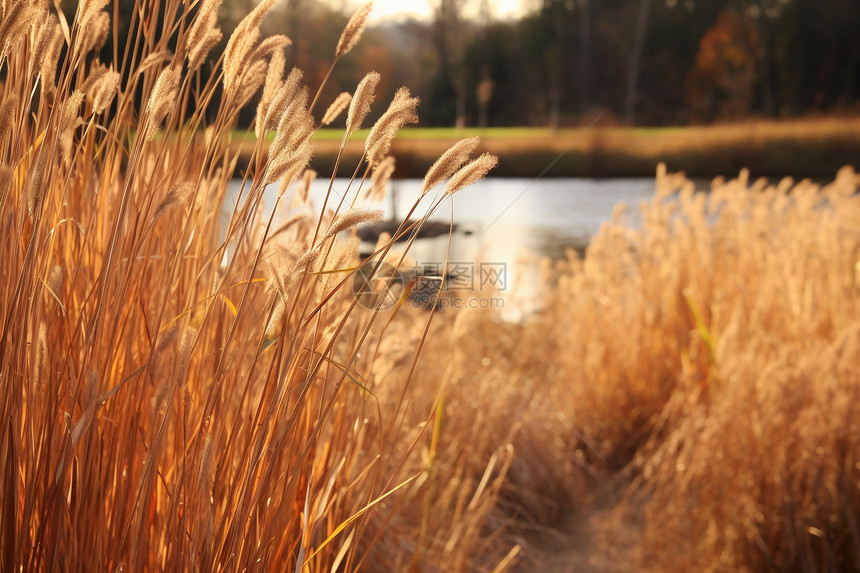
x,y
603,538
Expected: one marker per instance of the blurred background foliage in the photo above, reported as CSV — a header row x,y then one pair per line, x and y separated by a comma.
x,y
561,62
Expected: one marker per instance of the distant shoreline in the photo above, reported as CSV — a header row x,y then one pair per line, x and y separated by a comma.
x,y
798,148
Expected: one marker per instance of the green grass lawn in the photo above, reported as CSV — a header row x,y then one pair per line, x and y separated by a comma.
x,y
329,134
802,148
336,134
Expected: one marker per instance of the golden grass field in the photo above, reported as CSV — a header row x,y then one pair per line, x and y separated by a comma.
x,y
686,399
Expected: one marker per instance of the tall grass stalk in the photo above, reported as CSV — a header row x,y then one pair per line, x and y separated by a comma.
x,y
172,400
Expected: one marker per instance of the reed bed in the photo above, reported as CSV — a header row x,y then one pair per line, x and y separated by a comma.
x,y
172,400
187,391
699,363
705,354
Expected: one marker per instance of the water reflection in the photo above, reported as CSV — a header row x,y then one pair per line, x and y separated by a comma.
x,y
497,219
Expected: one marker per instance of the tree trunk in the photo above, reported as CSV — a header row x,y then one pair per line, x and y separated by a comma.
x,y
450,45
585,55
853,56
635,59
554,103
460,87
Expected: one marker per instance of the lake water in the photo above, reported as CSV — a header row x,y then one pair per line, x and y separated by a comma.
x,y
499,221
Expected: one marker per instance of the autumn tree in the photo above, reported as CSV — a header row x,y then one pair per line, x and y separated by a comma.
x,y
723,78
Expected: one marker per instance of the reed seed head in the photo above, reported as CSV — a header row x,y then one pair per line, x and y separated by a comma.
x,y
218,278
291,150
203,34
449,162
241,43
472,172
359,107
401,111
354,217
283,281
91,387
379,180
178,195
69,111
20,18
271,86
104,91
186,346
153,59
87,9
94,33
207,468
252,78
336,108
50,56
283,153
353,30
7,113
38,181
275,326
96,72
297,162
69,120
271,45
161,100
283,99
43,39
101,86
295,125
383,241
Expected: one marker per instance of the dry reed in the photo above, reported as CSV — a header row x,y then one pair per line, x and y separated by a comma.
x,y
203,34
242,41
336,108
161,101
359,107
449,162
471,173
401,111
353,30
379,180
161,406
185,391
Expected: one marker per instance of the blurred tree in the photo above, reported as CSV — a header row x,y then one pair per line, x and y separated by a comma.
x,y
497,58
651,61
483,93
721,82
450,30
635,59
816,55
551,57
585,54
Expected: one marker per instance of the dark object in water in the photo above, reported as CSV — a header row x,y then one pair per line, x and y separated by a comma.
x,y
430,229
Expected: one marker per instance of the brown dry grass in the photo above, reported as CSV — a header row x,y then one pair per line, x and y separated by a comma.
x,y
171,401
175,402
708,362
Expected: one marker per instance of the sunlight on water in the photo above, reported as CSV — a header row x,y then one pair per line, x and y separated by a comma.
x,y
503,224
